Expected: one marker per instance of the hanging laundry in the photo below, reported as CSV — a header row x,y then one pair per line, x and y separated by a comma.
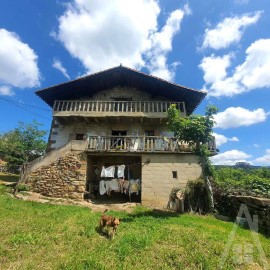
x,y
102,187
102,172
126,186
121,184
134,186
109,172
108,187
121,171
114,184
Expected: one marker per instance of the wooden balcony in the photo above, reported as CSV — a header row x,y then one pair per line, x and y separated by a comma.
x,y
141,144
151,109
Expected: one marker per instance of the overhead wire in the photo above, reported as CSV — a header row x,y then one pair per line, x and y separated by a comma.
x,y
8,100
15,103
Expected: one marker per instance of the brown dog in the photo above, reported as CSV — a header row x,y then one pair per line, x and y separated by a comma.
x,y
109,221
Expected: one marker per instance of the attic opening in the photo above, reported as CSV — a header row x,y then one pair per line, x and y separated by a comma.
x,y
121,182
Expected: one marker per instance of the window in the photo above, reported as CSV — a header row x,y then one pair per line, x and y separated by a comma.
x,y
149,132
174,173
119,133
79,137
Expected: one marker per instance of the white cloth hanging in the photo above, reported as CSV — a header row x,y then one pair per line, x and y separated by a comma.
x,y
109,172
102,172
114,184
102,187
121,171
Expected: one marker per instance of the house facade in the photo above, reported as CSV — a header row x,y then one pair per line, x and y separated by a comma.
x,y
109,129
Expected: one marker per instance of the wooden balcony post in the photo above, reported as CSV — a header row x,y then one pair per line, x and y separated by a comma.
x,y
54,105
58,107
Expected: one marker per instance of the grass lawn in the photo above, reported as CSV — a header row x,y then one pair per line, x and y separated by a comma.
x,y
40,236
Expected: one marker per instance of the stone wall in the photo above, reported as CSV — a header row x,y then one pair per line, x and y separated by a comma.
x,y
229,205
65,177
158,178
64,133
119,93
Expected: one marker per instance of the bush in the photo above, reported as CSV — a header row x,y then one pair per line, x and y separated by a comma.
x,y
254,182
22,187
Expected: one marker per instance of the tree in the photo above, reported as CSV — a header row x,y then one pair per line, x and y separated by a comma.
x,y
23,144
197,130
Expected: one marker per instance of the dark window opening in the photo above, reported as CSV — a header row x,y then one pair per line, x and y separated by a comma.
x,y
174,173
118,140
119,133
79,137
149,132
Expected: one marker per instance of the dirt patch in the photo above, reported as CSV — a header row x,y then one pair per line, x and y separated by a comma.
x,y
36,197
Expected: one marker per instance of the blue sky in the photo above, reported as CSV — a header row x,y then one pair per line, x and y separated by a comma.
x,y
222,47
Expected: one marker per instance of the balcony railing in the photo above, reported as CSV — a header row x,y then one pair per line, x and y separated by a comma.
x,y
140,144
116,106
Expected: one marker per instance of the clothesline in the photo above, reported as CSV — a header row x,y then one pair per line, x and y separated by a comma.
x,y
134,164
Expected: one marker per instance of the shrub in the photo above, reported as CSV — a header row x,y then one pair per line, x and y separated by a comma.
x,y
254,182
22,187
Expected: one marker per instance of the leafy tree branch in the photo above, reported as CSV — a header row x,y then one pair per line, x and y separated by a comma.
x,y
197,130
23,144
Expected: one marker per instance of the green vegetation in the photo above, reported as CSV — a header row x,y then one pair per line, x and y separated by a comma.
x,y
23,144
255,182
43,236
9,177
197,130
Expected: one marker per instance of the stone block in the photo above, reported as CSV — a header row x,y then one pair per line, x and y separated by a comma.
x,y
80,189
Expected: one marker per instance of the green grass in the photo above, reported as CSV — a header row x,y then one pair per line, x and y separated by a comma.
x,y
42,236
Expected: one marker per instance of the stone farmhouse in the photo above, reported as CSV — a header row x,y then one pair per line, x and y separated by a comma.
x,y
109,136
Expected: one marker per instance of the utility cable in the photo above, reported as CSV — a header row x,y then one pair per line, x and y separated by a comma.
x,y
24,104
14,103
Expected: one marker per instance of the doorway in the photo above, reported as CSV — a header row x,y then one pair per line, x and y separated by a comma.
x,y
117,140
125,193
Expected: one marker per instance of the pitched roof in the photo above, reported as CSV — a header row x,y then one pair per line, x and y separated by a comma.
x,y
124,77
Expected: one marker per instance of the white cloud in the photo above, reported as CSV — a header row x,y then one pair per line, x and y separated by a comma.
x,y
6,91
18,64
58,65
229,31
264,160
162,44
252,74
221,139
255,145
237,116
215,67
230,157
103,34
